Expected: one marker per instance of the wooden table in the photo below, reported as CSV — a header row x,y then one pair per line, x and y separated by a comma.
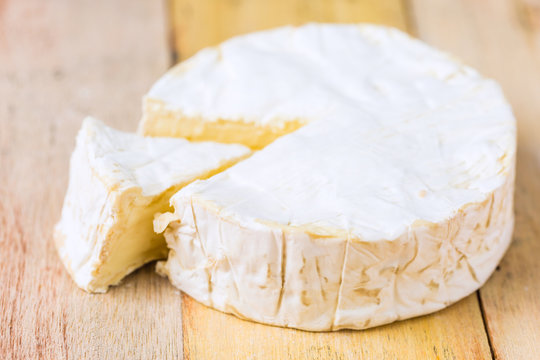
x,y
61,60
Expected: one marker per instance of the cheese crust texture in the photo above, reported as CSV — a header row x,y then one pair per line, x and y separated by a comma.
x,y
395,198
118,181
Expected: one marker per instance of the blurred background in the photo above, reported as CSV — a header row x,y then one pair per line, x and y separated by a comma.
x,y
216,21
61,60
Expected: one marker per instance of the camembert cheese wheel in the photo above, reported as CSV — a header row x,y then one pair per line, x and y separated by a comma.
x,y
386,190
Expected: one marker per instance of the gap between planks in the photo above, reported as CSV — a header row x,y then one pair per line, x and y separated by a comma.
x,y
484,321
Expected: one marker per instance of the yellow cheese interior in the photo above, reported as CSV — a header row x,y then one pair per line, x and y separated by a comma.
x,y
132,242
159,121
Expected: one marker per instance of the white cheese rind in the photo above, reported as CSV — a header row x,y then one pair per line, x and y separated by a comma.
x,y
306,72
118,181
278,80
394,200
285,276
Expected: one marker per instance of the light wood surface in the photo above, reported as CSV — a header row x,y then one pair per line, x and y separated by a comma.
x,y
61,60
200,23
454,333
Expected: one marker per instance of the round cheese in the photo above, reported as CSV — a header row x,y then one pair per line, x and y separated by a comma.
x,y
394,199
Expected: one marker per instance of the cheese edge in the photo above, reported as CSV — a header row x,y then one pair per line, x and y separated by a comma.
x,y
473,242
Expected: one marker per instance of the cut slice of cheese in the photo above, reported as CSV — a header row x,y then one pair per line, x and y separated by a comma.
x,y
395,200
118,181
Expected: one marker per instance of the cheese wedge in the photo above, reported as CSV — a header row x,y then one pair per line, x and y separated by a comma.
x,y
118,181
395,200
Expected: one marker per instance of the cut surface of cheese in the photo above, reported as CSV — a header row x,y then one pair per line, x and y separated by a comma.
x,y
395,199
118,181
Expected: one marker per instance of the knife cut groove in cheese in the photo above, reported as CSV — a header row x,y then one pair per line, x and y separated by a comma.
x,y
118,182
160,121
395,199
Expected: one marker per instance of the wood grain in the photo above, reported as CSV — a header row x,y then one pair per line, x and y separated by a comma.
x,y
454,333
502,39
61,60
200,23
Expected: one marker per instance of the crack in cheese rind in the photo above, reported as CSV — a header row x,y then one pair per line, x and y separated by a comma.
x,y
118,181
394,200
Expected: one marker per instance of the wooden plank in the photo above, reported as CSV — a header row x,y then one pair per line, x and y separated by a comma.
x,y
502,39
59,61
455,333
200,23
